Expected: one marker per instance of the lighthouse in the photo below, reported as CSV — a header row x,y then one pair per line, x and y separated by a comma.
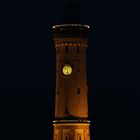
x,y
71,96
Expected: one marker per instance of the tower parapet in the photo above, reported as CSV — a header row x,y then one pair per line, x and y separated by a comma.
x,y
71,31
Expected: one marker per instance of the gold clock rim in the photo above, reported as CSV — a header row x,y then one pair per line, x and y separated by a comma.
x,y
67,65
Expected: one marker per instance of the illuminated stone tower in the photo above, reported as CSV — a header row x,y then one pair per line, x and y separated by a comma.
x,y
71,99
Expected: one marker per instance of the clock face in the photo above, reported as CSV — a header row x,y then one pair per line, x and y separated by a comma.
x,y
67,70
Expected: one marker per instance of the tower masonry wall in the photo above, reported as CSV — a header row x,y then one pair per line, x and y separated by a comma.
x,y
71,99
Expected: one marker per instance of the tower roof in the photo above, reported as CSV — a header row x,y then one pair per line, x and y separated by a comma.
x,y
71,13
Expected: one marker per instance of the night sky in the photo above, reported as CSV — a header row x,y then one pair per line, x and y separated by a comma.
x,y
27,64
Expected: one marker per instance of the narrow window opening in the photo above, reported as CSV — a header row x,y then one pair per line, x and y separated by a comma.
x,y
80,138
78,91
66,49
78,49
66,138
66,110
57,92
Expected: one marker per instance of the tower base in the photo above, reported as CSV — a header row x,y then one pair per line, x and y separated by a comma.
x,y
71,130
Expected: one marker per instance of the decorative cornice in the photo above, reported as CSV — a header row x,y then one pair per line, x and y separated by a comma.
x,y
71,42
